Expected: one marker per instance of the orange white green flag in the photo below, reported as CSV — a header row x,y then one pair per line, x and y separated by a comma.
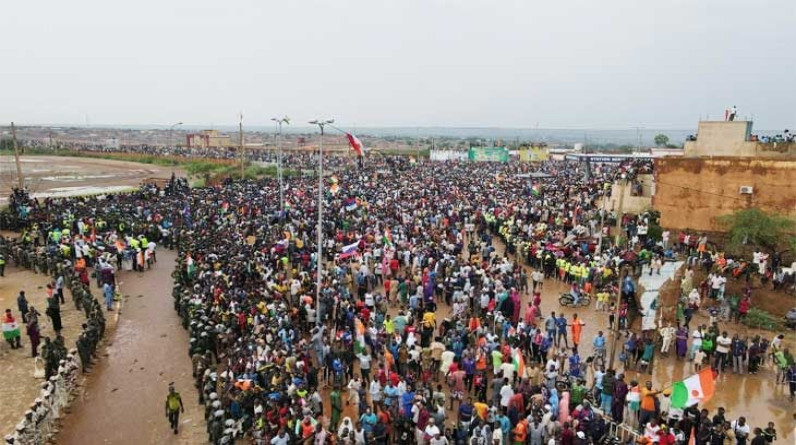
x,y
696,389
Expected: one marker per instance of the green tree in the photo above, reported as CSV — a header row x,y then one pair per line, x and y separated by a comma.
x,y
771,231
661,140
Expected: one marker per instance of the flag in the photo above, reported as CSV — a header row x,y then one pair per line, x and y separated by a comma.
x,y
536,189
387,239
359,336
191,268
696,389
350,250
350,204
10,330
519,363
356,144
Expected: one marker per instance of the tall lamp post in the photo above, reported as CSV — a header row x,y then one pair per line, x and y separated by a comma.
x,y
278,122
171,129
321,124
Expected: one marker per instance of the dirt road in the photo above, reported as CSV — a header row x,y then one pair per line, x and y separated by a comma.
x,y
123,402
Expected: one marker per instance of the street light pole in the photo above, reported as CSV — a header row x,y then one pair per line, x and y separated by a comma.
x,y
278,123
171,129
321,124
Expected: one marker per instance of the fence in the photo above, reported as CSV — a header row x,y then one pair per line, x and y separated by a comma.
x,y
622,432
40,421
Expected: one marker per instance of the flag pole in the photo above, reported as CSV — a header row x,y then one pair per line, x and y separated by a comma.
x,y
359,158
321,124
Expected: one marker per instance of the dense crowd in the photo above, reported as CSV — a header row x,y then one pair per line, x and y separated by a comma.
x,y
427,325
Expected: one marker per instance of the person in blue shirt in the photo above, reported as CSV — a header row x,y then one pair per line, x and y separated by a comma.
x,y
574,364
599,345
505,424
368,420
407,400
561,328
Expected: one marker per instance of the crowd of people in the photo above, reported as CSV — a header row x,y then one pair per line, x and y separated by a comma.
x,y
427,324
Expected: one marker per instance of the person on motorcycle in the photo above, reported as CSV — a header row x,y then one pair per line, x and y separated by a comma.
x,y
575,292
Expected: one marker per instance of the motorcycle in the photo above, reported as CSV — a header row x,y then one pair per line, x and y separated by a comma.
x,y
566,299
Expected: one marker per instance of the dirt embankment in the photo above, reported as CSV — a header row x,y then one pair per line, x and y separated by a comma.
x,y
764,297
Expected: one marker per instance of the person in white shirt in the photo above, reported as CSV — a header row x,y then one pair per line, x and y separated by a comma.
x,y
696,344
445,362
281,439
538,279
505,393
723,344
439,440
375,392
508,370
651,431
741,429
431,429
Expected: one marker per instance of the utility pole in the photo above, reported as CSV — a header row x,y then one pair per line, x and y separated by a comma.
x,y
278,136
619,214
615,335
602,224
242,163
21,182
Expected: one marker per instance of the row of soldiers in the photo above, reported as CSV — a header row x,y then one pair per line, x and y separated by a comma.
x,y
56,392
44,260
203,348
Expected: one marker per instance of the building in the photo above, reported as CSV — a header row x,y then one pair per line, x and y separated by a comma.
x,y
208,139
725,169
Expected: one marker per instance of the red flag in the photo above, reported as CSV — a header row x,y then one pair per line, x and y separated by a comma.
x,y
355,143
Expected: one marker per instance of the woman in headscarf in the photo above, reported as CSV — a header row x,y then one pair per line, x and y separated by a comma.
x,y
515,299
563,407
554,401
681,342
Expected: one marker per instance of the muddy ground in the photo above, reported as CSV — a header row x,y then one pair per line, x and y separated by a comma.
x,y
71,176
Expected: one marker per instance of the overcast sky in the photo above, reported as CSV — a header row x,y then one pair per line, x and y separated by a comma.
x,y
508,63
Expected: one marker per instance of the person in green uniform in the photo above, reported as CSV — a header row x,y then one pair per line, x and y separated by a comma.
x,y
337,408
174,407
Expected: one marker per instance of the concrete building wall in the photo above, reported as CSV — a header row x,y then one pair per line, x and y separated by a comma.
x,y
632,204
734,139
721,139
690,193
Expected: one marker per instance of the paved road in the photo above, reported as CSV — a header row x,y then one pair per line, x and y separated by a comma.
x,y
124,400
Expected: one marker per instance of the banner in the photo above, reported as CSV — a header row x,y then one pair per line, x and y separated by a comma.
x,y
534,154
488,154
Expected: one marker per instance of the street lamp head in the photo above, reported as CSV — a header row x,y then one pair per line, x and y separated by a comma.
x,y
315,122
179,123
286,120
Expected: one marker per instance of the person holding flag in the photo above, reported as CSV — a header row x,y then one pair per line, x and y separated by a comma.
x,y
11,332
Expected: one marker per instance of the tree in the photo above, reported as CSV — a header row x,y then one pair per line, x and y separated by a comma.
x,y
661,140
770,231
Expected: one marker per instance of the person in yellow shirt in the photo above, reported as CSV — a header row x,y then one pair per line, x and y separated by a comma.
x,y
429,319
481,409
173,408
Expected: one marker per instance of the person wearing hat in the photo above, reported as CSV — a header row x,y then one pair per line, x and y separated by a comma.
x,y
173,407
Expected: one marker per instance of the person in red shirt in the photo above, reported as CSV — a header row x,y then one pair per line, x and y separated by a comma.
x,y
567,435
665,437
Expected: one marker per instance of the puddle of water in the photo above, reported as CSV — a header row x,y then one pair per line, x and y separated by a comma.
x,y
60,192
